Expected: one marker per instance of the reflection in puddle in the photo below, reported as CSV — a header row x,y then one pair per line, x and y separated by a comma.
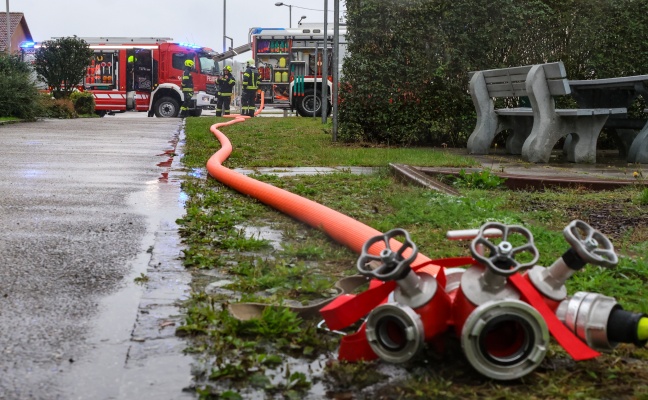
x,y
197,172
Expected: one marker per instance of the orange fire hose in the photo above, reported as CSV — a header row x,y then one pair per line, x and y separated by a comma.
x,y
341,228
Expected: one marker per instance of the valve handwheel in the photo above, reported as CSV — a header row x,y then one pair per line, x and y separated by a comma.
x,y
393,265
502,256
592,246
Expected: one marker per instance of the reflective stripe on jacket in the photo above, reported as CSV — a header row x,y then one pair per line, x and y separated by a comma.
x,y
251,78
225,86
187,80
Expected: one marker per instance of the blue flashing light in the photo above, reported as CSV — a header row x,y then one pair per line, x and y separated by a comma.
x,y
256,31
26,45
190,45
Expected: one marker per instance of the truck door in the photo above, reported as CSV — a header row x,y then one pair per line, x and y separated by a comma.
x,y
140,69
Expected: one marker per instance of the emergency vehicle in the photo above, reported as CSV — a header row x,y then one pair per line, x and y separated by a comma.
x,y
290,64
145,74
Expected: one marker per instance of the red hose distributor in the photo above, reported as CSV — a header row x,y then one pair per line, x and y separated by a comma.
x,y
420,310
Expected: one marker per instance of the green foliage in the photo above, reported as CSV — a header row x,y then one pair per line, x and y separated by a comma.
x,y
62,63
55,108
257,359
643,197
483,179
406,79
18,94
84,102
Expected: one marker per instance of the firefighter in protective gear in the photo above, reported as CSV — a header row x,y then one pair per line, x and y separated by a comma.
x,y
250,86
130,72
225,88
187,87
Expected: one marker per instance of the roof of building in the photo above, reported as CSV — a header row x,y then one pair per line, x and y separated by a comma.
x,y
15,19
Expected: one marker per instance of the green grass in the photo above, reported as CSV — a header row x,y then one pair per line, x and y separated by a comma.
x,y
309,262
301,142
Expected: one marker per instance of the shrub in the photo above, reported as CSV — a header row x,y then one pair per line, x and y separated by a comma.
x,y
18,93
56,108
84,102
406,73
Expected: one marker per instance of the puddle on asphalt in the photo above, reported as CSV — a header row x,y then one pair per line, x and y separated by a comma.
x,y
135,353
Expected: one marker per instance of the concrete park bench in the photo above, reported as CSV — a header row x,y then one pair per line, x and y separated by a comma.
x,y
538,128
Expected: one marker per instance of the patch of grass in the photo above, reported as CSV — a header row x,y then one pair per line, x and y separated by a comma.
x,y
301,142
643,197
309,262
5,119
142,279
483,179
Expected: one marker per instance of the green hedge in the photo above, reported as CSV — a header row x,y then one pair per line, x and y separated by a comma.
x,y
406,79
18,93
84,102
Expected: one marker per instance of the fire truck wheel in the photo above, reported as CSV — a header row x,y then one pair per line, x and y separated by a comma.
x,y
308,102
167,107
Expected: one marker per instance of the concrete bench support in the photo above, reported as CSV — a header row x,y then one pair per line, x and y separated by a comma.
x,y
537,129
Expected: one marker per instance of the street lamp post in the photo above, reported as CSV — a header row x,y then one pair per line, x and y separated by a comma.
x,y
325,66
224,21
301,19
8,30
336,65
279,4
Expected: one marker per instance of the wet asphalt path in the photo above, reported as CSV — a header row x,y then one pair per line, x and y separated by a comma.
x,y
86,206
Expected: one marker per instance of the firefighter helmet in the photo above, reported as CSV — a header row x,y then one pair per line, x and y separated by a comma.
x,y
189,63
228,68
250,62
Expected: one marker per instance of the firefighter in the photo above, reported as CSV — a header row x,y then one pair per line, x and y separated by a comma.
x,y
250,85
225,89
130,67
187,88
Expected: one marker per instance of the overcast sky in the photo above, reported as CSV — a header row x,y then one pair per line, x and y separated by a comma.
x,y
193,21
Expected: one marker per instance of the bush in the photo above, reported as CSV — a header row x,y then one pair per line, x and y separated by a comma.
x,y
18,93
84,102
406,74
56,108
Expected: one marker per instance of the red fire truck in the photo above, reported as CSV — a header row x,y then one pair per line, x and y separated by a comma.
x,y
145,74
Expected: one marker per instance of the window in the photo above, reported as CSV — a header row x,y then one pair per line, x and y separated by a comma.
x,y
208,66
179,59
